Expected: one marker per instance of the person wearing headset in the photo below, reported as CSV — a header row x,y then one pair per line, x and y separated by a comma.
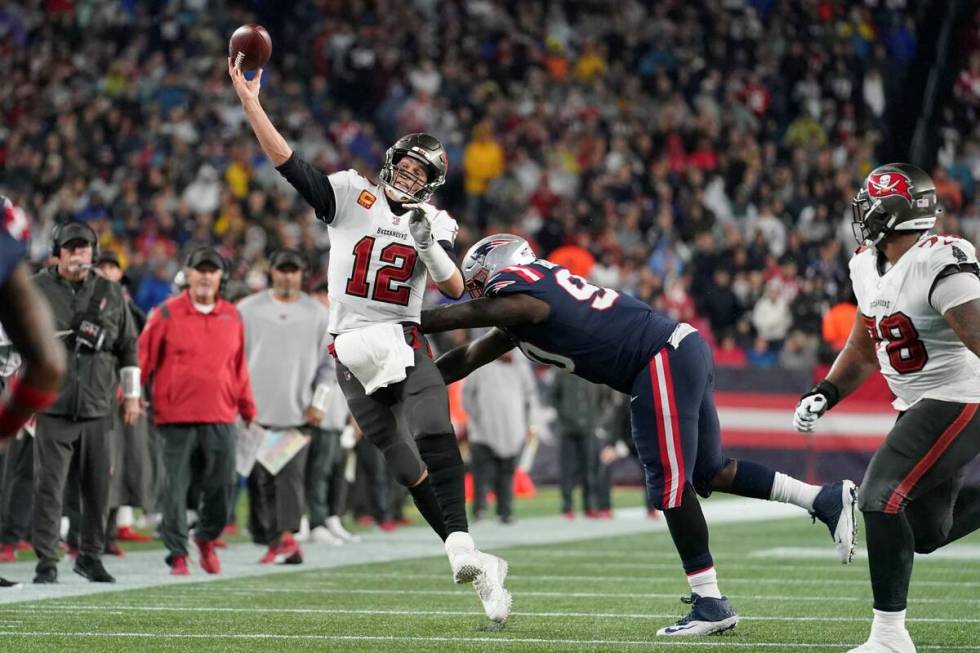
x,y
193,354
101,351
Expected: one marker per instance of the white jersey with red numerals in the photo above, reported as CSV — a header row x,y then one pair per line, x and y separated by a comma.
x,y
919,353
374,273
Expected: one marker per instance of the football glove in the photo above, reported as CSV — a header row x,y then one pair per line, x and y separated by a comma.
x,y
420,223
814,404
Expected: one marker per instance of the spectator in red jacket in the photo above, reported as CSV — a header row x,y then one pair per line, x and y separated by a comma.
x,y
192,351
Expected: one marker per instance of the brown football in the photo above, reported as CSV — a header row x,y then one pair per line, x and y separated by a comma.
x,y
252,44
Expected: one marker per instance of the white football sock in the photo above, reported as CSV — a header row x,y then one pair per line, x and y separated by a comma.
x,y
888,622
124,516
789,490
705,583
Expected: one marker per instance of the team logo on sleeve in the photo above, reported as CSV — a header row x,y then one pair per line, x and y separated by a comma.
x,y
886,184
366,199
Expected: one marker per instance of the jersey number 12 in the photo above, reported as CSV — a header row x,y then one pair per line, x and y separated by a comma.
x,y
402,260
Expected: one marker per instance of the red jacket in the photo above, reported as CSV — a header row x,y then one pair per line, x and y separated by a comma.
x,y
196,363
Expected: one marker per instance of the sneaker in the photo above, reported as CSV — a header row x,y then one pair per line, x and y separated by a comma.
x,y
220,543
113,548
322,535
209,559
269,557
891,642
178,565
707,617
506,520
403,521
8,553
231,529
289,553
365,520
10,584
46,575
605,513
592,513
835,506
336,528
388,525
72,551
127,534
569,515
463,557
92,570
489,586
653,513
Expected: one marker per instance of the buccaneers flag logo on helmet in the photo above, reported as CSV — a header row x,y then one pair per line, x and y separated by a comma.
x,y
886,184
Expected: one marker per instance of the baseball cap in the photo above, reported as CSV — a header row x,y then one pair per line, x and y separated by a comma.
x,y
203,255
76,231
284,257
108,256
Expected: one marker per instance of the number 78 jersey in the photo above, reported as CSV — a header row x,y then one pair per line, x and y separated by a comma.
x,y
919,353
596,333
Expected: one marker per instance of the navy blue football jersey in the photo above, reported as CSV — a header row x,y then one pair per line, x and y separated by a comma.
x,y
599,334
12,252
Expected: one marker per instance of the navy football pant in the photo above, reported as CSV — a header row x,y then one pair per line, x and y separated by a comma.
x,y
675,422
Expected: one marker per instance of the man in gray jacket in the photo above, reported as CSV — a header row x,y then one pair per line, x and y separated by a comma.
x,y
78,425
501,400
286,340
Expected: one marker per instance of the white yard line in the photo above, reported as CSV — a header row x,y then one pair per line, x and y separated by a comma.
x,y
143,569
211,609
721,642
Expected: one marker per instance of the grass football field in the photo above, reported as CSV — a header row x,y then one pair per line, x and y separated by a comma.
x,y
598,593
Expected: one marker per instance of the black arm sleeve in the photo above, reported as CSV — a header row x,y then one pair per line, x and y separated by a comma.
x,y
312,184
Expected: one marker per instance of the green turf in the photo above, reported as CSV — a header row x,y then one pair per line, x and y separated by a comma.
x,y
606,594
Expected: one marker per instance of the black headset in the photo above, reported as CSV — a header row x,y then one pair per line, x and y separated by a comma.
x,y
56,239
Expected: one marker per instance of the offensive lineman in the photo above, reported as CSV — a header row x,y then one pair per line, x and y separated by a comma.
x,y
378,233
559,319
919,298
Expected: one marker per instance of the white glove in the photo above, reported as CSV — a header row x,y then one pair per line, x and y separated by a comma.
x,y
808,411
420,223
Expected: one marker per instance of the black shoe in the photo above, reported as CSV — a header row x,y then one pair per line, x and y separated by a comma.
x,y
506,519
46,575
708,616
10,583
92,569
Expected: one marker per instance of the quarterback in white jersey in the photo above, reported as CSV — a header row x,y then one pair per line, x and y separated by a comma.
x,y
379,232
919,322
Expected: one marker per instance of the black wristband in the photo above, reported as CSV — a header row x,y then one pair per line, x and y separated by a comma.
x,y
828,390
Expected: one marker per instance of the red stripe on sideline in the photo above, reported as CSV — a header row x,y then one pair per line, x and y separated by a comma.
x,y
782,401
676,430
661,431
793,441
924,465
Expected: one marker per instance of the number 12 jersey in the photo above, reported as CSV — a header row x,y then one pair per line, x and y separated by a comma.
x,y
919,353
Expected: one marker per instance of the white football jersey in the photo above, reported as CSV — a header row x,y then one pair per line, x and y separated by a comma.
x,y
919,353
374,273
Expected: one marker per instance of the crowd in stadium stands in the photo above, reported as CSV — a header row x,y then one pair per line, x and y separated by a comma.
x,y
701,155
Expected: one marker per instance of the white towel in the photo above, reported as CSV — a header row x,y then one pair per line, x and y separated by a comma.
x,y
377,355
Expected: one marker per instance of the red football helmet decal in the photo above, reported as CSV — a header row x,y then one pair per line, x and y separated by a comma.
x,y
886,184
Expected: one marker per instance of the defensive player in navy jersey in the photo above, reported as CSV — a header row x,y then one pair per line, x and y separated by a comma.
x,y
26,318
605,337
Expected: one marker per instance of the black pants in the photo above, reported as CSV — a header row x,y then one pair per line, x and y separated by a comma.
x,y
276,502
323,449
215,443
60,445
371,484
602,472
576,452
16,491
492,472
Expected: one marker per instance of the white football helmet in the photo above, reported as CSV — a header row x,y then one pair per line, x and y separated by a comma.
x,y
489,256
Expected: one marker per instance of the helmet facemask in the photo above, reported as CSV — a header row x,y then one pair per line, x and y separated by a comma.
x,y
869,222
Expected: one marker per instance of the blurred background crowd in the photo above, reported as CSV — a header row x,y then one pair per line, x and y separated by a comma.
x,y
701,155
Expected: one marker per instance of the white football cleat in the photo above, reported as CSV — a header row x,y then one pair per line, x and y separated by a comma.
x,y
322,535
890,642
463,557
336,528
489,586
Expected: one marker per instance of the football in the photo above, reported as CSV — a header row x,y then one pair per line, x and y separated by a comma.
x,y
252,44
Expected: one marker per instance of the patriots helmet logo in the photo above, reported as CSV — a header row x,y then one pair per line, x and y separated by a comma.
x,y
487,247
887,184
